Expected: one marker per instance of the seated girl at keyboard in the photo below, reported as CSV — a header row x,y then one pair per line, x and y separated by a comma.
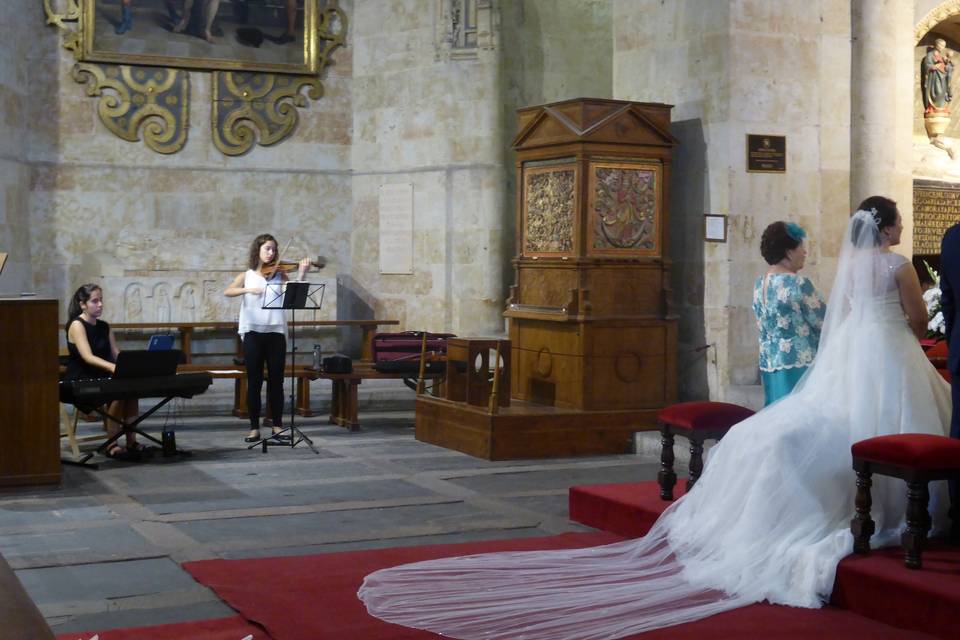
x,y
93,354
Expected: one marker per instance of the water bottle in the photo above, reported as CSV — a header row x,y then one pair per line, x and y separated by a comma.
x,y
316,357
169,441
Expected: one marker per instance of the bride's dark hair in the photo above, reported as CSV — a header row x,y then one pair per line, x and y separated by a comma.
x,y
884,211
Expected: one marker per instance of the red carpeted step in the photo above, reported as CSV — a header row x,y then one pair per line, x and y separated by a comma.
x,y
232,628
879,586
628,509
875,586
315,597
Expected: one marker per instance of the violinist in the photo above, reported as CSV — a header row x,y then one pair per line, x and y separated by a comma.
x,y
263,331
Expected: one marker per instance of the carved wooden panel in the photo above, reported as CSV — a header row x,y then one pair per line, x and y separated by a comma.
x,y
623,209
625,291
549,369
629,365
546,287
549,210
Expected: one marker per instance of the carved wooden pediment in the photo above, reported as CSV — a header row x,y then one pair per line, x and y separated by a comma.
x,y
594,120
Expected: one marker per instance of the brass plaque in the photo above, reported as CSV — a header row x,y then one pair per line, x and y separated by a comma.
x,y
766,154
936,207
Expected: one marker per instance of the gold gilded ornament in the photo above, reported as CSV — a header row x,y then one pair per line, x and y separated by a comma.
x,y
257,107
135,101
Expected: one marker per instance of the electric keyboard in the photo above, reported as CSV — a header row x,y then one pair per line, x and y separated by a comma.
x,y
97,391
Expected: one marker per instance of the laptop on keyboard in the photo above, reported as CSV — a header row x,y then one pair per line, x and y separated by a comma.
x,y
147,364
160,342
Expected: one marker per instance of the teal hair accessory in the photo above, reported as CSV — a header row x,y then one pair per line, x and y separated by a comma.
x,y
795,231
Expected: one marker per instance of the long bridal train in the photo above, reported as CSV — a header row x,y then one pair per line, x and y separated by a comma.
x,y
768,519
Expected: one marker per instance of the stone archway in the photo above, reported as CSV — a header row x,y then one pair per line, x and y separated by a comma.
x,y
934,17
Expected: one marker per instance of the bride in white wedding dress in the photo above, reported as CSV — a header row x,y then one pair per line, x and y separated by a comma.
x,y
769,517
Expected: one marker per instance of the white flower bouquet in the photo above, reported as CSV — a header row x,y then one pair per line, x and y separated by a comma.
x,y
936,327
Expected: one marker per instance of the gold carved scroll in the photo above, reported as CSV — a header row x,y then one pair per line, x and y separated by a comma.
x,y
936,207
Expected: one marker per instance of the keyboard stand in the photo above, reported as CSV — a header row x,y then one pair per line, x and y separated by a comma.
x,y
131,427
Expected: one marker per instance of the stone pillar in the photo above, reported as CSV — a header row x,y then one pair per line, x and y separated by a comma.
x,y
881,126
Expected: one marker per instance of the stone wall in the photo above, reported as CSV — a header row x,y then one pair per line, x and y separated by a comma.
x,y
551,51
19,105
166,233
745,66
424,117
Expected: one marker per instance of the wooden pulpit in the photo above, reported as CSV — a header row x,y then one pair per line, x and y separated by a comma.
x,y
590,313
592,334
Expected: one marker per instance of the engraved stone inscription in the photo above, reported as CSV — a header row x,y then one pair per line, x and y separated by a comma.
x,y
936,207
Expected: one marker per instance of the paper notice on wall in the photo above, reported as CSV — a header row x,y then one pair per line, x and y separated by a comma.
x,y
396,228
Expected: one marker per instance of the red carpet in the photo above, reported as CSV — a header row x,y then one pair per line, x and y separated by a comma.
x,y
233,628
314,597
628,509
879,586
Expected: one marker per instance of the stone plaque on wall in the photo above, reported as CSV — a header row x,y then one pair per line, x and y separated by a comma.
x,y
936,207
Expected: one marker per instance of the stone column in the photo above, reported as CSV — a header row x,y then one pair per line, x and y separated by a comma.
x,y
881,126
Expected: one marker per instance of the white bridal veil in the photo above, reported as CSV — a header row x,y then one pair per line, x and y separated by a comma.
x,y
768,519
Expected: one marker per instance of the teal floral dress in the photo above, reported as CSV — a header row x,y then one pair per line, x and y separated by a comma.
x,y
789,318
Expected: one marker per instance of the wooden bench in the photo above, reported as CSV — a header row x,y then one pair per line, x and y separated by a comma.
x,y
343,401
344,388
187,330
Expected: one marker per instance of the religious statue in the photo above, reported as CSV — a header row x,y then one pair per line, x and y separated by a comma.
x,y
936,73
188,303
161,299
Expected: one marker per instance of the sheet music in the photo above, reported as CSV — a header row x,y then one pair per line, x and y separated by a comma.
x,y
396,228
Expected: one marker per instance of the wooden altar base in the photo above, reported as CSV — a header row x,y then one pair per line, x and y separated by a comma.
x,y
527,430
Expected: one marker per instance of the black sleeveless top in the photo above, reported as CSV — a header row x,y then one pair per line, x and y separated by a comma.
x,y
98,335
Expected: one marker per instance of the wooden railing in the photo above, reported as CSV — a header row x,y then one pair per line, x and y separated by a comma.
x,y
187,329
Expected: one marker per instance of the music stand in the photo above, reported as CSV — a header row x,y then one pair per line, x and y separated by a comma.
x,y
291,295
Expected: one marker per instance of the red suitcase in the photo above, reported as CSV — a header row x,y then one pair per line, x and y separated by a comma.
x,y
400,352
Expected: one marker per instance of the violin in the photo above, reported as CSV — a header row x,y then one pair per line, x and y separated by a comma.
x,y
289,266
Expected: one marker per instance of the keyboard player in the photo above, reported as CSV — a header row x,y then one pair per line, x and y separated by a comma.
x,y
93,354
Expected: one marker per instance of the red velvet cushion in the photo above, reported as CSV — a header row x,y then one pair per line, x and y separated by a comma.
x,y
938,350
703,415
914,450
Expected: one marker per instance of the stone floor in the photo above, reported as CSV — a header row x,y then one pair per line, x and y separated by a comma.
x,y
104,549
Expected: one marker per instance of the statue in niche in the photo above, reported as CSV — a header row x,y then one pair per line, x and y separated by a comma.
x,y
936,73
188,303
211,292
161,300
133,303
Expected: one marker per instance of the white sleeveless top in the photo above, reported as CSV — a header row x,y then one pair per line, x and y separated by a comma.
x,y
253,317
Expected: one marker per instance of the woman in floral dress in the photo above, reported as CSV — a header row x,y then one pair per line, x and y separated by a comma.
x,y
789,311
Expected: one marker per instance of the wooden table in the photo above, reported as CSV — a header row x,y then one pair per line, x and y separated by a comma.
x,y
186,330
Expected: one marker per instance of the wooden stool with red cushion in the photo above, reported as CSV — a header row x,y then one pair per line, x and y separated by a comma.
x,y
696,421
917,458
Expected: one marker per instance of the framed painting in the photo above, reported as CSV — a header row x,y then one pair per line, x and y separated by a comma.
x,y
623,209
273,36
549,210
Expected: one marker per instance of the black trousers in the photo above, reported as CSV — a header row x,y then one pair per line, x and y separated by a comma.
x,y
260,349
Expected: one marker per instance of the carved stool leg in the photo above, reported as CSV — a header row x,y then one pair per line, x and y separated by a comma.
x,y
696,462
915,536
862,526
666,477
